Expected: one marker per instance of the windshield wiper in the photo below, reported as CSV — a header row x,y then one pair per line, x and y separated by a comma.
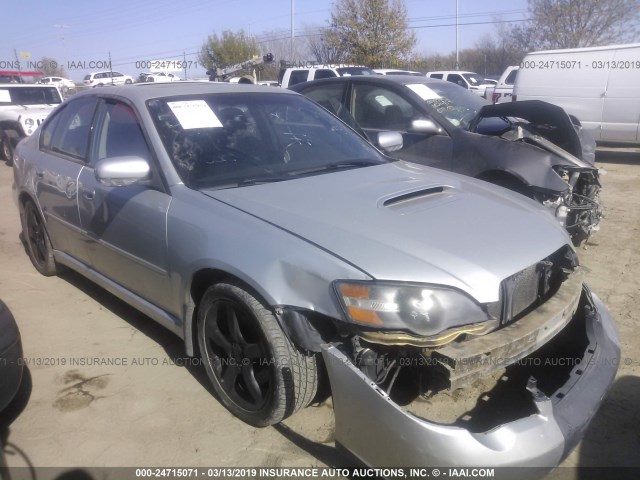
x,y
335,166
259,180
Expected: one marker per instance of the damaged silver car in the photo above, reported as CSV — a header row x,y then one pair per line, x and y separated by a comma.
x,y
451,316
532,147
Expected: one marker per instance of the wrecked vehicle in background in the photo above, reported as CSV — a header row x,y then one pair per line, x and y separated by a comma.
x,y
255,223
533,148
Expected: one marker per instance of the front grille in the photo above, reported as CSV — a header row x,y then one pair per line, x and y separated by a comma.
x,y
531,287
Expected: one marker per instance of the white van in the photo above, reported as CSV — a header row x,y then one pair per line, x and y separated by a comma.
x,y
600,86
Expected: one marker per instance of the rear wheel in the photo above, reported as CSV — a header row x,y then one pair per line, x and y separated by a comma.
x,y
7,140
37,241
258,374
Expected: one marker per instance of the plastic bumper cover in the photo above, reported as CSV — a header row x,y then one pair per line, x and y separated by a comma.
x,y
379,433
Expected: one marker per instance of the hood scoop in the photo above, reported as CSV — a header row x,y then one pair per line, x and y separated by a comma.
x,y
413,197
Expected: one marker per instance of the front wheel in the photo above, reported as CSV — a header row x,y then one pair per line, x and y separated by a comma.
x,y
258,374
7,147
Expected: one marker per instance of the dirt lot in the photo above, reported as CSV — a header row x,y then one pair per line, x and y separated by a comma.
x,y
153,411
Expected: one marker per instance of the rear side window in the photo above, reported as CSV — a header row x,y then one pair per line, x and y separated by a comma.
x,y
298,76
68,131
324,74
436,75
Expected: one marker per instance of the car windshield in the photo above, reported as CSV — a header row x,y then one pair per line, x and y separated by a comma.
x,y
238,139
474,79
458,105
346,71
29,96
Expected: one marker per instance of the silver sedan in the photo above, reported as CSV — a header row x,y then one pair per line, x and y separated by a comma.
x,y
280,245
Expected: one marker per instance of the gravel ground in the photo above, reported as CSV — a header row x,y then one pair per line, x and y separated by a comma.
x,y
155,411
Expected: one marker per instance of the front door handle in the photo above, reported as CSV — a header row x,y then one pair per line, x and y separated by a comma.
x,y
88,193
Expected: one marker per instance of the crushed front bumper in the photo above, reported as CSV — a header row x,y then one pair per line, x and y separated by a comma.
x,y
379,433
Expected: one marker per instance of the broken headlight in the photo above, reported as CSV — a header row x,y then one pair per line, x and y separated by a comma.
x,y
424,310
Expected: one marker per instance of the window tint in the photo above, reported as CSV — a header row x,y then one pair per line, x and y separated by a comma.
x,y
511,78
455,78
324,74
298,76
380,108
436,75
119,133
68,132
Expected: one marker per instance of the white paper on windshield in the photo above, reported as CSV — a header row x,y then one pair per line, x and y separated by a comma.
x,y
384,101
194,114
4,96
423,91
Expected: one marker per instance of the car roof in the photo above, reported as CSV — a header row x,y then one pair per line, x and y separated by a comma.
x,y
378,79
141,92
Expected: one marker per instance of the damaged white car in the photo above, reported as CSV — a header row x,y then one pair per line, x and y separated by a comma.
x,y
450,316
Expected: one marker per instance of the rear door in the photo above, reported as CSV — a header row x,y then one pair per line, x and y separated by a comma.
x,y
125,227
62,154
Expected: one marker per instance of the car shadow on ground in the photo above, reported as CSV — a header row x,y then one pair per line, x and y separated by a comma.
x,y
625,156
610,446
171,343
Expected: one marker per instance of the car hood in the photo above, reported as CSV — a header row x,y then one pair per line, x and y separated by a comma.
x,y
552,128
405,222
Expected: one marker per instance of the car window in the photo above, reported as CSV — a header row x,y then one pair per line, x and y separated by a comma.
x,y
298,76
119,133
324,74
68,131
436,75
224,141
377,107
29,96
511,78
473,79
457,79
330,98
457,105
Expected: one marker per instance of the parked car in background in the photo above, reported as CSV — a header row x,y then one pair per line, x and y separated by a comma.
x,y
10,357
469,80
252,220
530,147
503,91
600,86
22,108
160,77
393,71
58,82
100,79
294,75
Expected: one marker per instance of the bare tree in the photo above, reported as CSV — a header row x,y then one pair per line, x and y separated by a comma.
x,y
370,32
52,68
322,52
581,23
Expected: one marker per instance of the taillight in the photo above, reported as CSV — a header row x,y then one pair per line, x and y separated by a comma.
x,y
514,98
495,97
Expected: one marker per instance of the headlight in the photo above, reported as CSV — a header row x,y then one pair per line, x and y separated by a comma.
x,y
29,122
422,309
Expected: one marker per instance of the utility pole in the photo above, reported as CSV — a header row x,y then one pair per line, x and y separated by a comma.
x,y
15,53
184,63
457,53
292,26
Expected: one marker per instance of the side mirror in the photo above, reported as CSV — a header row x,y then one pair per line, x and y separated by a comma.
x,y
122,171
426,126
390,141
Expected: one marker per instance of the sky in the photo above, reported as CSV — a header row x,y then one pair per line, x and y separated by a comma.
x,y
82,34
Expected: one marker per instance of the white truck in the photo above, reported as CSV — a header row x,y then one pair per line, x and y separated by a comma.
x,y
292,75
23,107
503,91
600,86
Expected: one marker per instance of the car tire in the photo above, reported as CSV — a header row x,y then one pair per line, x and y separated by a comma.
x,y
37,240
7,146
127,81
257,373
